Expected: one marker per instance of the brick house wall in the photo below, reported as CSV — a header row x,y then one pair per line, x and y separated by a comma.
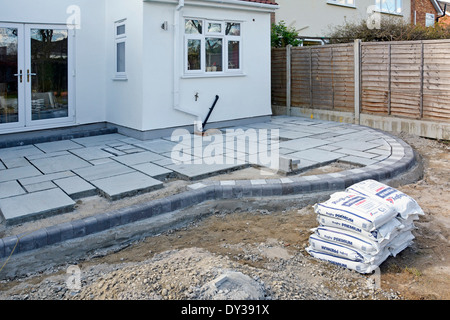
x,y
420,9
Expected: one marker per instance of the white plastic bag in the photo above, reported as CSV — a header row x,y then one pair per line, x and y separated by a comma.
x,y
400,243
357,209
319,244
403,204
348,239
360,267
379,235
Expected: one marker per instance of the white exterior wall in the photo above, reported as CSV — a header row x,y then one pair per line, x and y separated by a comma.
x,y
124,98
145,100
89,47
315,18
241,96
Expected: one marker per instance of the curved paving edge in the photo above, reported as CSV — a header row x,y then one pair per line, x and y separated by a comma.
x,y
401,160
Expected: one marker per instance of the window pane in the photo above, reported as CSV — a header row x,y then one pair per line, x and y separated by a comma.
x,y
233,29
233,54
9,88
194,60
121,57
193,27
214,54
120,30
214,27
49,87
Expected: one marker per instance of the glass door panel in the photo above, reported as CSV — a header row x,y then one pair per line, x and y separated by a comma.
x,y
10,76
47,74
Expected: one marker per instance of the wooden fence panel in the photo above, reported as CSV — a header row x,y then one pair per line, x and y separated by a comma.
x,y
403,79
279,76
323,77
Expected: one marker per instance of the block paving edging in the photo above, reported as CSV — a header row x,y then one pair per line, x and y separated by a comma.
x,y
401,160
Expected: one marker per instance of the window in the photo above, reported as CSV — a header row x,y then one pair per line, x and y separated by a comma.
x,y
120,49
349,3
429,20
212,47
389,6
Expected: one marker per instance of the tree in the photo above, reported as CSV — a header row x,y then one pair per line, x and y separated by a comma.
x,y
283,36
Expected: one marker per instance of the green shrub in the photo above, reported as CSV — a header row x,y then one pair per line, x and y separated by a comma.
x,y
282,35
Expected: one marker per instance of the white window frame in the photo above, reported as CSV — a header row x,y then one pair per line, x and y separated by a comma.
x,y
120,38
202,37
397,10
343,3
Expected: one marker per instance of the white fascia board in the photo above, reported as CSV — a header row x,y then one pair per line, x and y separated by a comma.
x,y
243,5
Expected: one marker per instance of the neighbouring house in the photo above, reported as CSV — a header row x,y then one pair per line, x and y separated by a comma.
x,y
143,66
425,12
314,19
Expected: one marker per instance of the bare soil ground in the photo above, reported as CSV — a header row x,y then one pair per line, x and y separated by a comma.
x,y
268,244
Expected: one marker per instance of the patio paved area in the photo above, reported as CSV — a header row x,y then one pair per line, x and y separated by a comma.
x,y
47,178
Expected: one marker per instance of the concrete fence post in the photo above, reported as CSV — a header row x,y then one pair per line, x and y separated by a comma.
x,y
288,79
357,61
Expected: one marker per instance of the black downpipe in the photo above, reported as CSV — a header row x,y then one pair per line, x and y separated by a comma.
x,y
445,12
209,113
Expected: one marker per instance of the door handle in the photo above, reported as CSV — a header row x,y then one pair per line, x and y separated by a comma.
x,y
20,75
29,74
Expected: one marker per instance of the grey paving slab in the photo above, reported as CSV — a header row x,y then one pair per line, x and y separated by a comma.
x,y
356,153
133,150
316,155
91,153
126,184
10,189
16,162
355,145
55,146
2,166
60,163
197,171
23,207
359,160
18,173
152,170
46,177
21,151
76,187
137,158
99,140
302,144
101,161
102,171
114,151
39,186
47,155
157,145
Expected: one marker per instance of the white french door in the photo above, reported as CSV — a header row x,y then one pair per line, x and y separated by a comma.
x,y
36,88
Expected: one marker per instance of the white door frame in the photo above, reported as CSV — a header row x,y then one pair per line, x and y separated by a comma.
x,y
24,87
20,79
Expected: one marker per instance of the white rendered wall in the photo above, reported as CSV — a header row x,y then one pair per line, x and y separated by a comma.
x,y
124,97
89,47
242,96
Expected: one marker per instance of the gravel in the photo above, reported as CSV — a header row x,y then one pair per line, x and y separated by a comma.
x,y
196,274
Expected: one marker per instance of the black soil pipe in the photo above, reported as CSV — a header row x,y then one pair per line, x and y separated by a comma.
x,y
209,113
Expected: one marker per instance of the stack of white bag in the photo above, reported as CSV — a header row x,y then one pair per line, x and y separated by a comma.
x,y
361,227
